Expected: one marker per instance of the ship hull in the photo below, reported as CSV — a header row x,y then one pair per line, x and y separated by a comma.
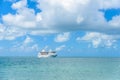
x,y
46,56
53,55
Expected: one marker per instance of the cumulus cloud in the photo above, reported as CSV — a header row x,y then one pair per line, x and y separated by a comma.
x,y
9,33
1,28
60,48
69,15
25,18
99,39
115,22
109,4
20,4
62,37
27,45
27,40
62,16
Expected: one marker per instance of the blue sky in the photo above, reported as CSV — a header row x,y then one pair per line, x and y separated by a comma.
x,y
85,28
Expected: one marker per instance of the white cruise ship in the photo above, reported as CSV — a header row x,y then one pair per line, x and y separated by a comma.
x,y
45,54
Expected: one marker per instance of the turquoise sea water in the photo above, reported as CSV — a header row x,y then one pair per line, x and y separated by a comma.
x,y
31,68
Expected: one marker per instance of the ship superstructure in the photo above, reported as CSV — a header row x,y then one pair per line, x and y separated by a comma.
x,y
49,53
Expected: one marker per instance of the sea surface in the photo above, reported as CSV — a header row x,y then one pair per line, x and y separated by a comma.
x,y
31,68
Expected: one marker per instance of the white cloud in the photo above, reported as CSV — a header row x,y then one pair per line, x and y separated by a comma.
x,y
27,45
62,37
9,33
69,15
109,4
25,18
1,28
60,48
61,16
28,40
99,39
115,22
20,4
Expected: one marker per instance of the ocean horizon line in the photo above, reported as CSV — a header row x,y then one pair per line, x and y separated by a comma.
x,y
62,57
